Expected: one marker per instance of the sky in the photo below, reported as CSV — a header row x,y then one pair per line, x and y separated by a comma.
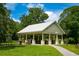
x,y
52,9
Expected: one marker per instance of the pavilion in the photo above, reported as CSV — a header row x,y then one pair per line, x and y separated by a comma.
x,y
41,32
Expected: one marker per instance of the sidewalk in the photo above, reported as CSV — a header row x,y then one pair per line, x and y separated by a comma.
x,y
64,51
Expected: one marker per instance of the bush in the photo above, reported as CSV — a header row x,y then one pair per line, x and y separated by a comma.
x,y
66,40
71,41
14,36
2,37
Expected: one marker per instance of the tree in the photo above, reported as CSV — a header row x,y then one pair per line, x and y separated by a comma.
x,y
7,25
36,15
74,33
4,14
69,21
14,36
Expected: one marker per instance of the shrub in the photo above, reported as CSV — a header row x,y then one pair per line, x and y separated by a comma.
x,y
14,36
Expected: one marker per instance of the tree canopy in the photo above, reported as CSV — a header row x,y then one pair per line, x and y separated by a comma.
x,y
7,25
69,21
36,15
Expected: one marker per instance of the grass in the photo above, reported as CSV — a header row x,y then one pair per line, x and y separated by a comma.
x,y
72,48
29,50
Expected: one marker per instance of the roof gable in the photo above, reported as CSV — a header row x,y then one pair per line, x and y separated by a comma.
x,y
54,28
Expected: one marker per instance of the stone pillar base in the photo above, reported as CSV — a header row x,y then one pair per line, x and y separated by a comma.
x,y
26,41
33,42
23,44
42,42
62,42
49,42
57,41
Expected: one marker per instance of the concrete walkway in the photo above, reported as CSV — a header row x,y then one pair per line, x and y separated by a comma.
x,y
64,51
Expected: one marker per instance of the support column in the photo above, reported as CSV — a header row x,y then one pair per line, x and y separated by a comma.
x,y
62,42
23,43
20,40
33,40
19,37
38,37
26,39
57,41
49,41
42,41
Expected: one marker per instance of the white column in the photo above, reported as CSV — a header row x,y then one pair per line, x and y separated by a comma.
x,y
42,41
26,36
38,36
49,41
19,38
33,40
62,42
26,39
57,41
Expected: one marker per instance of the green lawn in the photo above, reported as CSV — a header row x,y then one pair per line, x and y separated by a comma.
x,y
72,48
29,50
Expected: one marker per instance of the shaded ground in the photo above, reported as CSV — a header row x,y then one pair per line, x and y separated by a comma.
x,y
29,50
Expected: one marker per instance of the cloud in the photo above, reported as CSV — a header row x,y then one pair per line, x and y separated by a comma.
x,y
10,6
53,16
16,20
31,5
